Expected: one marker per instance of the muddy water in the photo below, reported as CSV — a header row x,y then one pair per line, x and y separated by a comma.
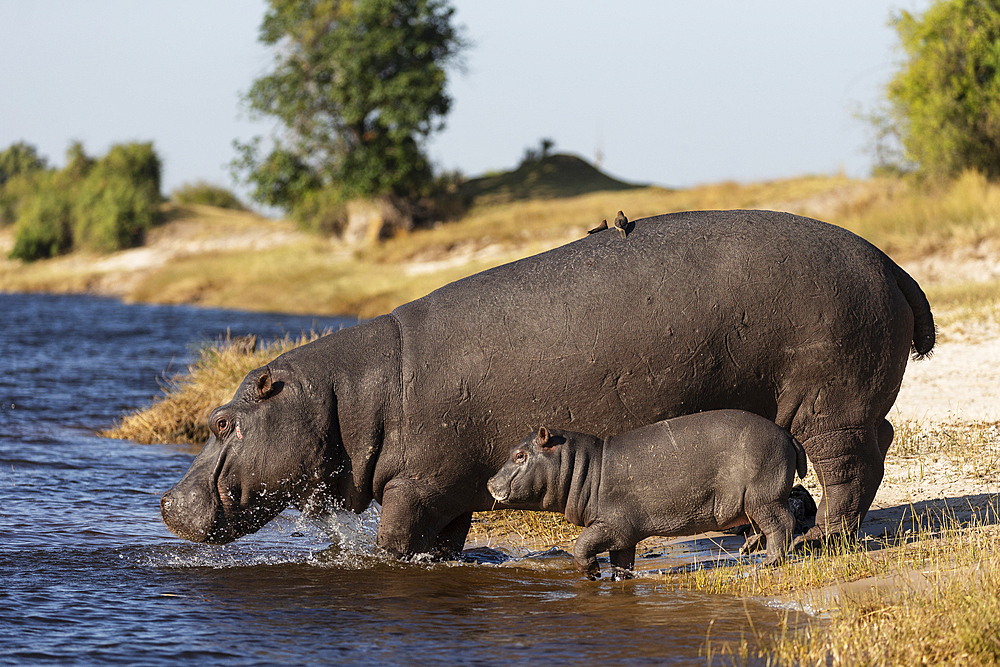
x,y
88,573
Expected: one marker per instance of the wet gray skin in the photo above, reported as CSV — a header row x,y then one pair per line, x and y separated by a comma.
x,y
789,318
682,476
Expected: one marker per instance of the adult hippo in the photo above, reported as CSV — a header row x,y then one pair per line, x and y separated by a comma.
x,y
790,318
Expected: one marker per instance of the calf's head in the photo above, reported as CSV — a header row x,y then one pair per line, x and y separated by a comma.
x,y
530,477
269,448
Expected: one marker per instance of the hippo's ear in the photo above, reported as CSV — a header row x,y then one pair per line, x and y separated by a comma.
x,y
543,436
265,386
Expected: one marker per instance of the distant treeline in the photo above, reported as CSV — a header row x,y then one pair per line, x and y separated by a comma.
x,y
100,204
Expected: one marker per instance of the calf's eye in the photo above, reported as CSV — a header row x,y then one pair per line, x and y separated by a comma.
x,y
520,457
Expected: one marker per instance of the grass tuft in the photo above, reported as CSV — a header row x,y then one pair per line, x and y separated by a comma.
x,y
523,529
181,414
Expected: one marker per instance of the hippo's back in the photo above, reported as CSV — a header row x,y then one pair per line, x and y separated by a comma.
x,y
692,311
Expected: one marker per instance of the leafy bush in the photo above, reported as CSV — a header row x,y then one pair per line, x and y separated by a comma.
x,y
111,213
323,211
19,165
103,205
18,159
208,194
78,163
137,163
13,194
44,226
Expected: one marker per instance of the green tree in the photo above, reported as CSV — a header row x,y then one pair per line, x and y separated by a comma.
x,y
19,159
357,86
943,107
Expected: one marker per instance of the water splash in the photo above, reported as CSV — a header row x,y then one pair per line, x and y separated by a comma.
x,y
354,533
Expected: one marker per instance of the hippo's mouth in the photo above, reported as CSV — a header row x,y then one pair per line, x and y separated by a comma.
x,y
499,490
204,508
234,515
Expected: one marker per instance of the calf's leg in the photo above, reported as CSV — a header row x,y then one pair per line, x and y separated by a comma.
x,y
776,522
598,538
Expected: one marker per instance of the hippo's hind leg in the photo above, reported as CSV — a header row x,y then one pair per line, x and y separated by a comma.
x,y
776,524
850,464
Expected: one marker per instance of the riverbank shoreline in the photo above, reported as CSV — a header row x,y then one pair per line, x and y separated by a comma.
x,y
942,466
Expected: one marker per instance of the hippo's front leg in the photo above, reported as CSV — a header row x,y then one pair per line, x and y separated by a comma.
x,y
598,538
409,524
622,563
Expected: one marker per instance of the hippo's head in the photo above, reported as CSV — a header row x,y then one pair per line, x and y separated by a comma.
x,y
305,430
269,448
531,473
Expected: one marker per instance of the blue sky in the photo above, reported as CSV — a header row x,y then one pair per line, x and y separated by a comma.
x,y
670,93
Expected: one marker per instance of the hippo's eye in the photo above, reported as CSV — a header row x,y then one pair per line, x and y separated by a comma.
x,y
520,457
222,424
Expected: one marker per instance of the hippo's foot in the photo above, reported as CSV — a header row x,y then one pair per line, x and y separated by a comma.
x,y
754,542
621,574
816,540
773,561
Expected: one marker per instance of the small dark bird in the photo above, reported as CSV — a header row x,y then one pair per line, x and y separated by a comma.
x,y
621,222
599,228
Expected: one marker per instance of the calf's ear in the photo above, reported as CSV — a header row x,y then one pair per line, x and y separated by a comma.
x,y
543,436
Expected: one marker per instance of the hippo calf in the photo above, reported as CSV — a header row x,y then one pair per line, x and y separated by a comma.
x,y
681,476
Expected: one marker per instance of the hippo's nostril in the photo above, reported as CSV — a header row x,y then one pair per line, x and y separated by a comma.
x,y
497,490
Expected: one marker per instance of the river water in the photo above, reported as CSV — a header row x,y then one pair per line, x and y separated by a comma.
x,y
90,575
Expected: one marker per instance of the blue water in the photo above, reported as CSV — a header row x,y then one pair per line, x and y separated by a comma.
x,y
89,574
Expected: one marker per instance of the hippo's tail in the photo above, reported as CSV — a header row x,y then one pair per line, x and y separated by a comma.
x,y
923,321
801,463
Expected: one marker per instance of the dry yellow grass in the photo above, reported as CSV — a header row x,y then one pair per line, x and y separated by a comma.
x,y
936,603
523,530
235,259
181,414
925,595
